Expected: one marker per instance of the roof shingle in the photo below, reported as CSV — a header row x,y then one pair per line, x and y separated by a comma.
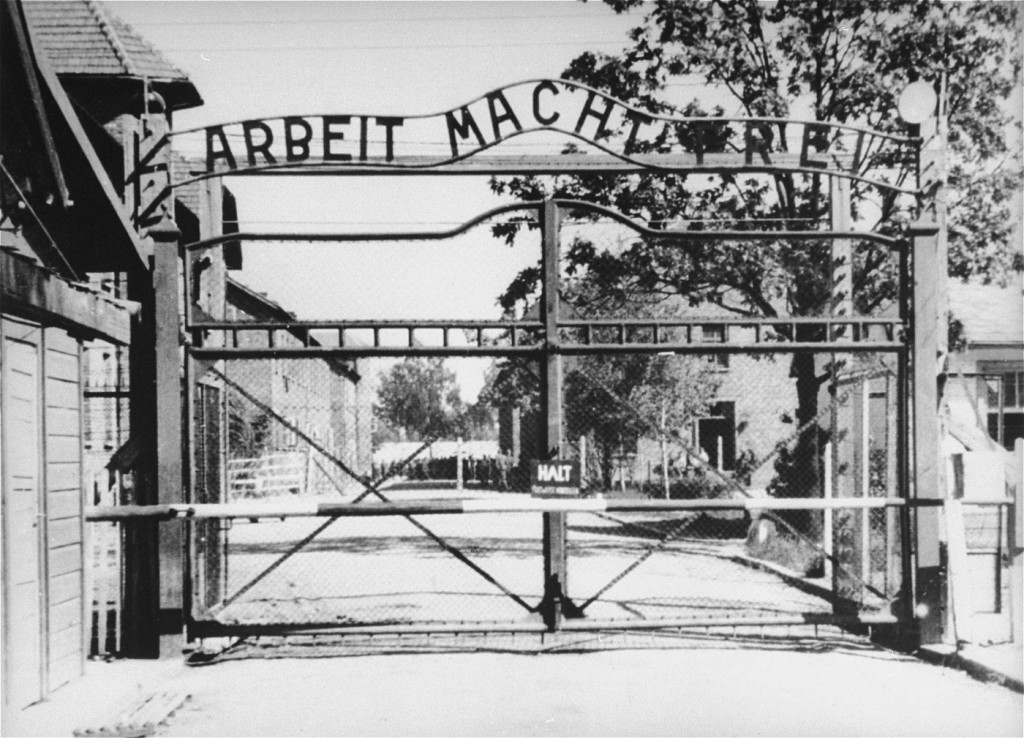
x,y
80,37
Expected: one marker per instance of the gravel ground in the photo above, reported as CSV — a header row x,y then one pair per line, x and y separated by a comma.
x,y
802,688
384,570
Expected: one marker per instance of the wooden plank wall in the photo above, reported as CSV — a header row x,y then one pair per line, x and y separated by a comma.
x,y
22,560
62,392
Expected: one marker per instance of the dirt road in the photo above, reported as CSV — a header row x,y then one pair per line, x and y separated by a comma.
x,y
807,689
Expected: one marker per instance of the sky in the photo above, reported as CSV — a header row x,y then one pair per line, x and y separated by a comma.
x,y
263,59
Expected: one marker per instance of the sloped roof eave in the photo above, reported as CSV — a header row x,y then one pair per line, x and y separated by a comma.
x,y
126,233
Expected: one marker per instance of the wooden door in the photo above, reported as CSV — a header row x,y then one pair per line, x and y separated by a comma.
x,y
20,415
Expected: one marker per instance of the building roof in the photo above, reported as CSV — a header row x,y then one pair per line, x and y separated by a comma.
x,y
90,231
991,315
81,38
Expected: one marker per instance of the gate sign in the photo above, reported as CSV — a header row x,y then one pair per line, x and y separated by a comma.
x,y
556,473
435,141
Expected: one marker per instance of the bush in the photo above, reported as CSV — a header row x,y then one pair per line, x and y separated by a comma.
x,y
768,543
697,487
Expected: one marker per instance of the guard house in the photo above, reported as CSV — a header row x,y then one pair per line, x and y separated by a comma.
x,y
77,335
62,220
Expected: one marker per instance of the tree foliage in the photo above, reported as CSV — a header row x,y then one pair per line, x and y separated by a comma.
x,y
844,62
420,399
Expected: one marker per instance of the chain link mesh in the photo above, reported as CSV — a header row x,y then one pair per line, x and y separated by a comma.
x,y
726,423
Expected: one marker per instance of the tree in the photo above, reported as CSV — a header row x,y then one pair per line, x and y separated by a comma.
x,y
612,400
419,398
845,62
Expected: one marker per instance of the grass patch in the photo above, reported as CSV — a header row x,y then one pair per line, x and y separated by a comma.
x,y
767,543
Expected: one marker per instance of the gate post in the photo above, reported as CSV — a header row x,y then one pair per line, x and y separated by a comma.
x,y
929,482
930,332
555,563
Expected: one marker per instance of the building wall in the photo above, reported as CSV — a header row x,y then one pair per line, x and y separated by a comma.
x,y
44,635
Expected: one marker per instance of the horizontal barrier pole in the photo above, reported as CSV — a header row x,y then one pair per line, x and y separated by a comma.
x,y
255,510
200,628
986,501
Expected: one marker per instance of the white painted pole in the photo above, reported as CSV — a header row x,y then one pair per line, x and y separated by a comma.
x,y
458,464
826,533
664,450
583,462
721,461
865,458
1016,545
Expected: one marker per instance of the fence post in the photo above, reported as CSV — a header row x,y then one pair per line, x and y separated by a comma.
x,y
928,471
865,479
1015,536
846,418
826,528
458,464
583,462
555,585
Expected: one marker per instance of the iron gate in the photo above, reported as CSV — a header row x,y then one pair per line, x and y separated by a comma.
x,y
684,510
704,499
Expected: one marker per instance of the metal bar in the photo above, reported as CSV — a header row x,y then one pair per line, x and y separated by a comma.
x,y
307,325
256,510
375,236
834,234
318,352
666,235
212,628
554,531
589,164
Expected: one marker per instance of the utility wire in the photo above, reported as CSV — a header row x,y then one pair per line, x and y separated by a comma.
x,y
382,47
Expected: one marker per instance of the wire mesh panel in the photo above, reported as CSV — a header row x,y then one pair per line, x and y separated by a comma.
x,y
381,571
306,429
697,388
680,440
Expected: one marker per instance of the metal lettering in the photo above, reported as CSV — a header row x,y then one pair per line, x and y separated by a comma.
x,y
497,119
252,148
389,125
330,135
602,118
811,143
297,149
544,120
224,153
462,129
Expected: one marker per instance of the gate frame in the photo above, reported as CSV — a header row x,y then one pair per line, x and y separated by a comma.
x,y
919,308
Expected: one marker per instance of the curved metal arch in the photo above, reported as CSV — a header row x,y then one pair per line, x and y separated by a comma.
x,y
587,88
431,166
374,236
615,215
619,217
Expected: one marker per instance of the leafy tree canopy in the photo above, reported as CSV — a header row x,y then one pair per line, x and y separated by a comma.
x,y
420,398
844,62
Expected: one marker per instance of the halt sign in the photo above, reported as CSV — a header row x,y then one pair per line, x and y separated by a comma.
x,y
556,476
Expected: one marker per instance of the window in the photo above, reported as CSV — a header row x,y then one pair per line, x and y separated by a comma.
x,y
716,333
1005,404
